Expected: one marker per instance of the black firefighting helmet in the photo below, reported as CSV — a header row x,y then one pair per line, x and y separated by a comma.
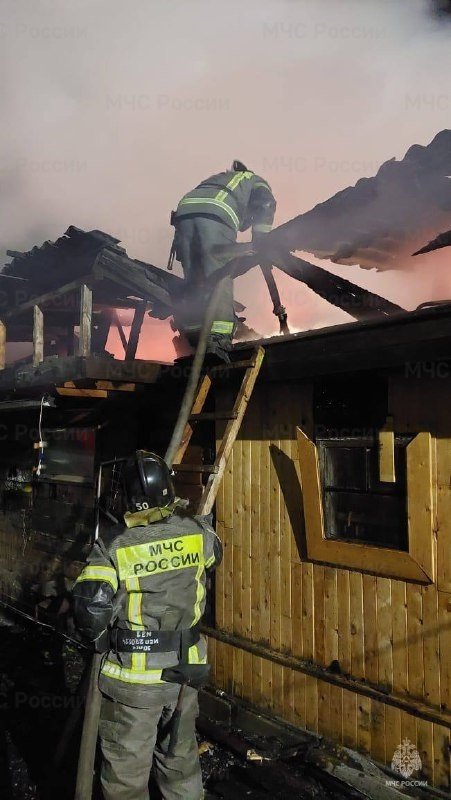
x,y
238,166
261,203
261,206
147,482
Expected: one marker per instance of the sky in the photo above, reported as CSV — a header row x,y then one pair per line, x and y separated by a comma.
x,y
111,111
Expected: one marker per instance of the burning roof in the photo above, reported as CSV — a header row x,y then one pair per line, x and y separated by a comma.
x,y
78,255
380,221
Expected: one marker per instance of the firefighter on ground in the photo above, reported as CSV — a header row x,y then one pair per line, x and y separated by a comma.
x,y
141,597
207,217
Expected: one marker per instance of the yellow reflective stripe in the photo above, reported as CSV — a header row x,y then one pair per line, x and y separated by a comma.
x,y
233,183
209,562
211,201
200,590
134,603
155,558
193,655
106,574
236,180
221,326
139,662
222,194
135,619
261,227
200,594
148,676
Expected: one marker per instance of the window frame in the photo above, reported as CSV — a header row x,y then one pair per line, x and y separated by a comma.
x,y
383,488
418,563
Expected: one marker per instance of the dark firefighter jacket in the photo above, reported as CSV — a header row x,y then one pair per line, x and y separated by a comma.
x,y
145,578
240,199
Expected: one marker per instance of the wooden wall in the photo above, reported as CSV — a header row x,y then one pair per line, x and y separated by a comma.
x,y
387,635
44,543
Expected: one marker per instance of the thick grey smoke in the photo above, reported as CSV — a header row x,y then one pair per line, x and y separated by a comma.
x,y
112,110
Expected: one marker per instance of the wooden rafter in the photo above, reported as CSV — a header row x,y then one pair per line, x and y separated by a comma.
x,y
38,335
135,330
84,344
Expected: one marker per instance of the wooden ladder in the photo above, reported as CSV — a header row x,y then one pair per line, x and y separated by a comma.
x,y
234,418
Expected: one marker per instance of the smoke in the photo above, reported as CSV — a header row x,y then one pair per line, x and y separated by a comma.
x,y
112,111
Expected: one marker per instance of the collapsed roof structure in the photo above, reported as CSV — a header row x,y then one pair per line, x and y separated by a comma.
x,y
79,269
380,221
78,257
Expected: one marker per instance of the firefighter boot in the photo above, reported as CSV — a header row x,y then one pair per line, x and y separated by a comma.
x,y
218,348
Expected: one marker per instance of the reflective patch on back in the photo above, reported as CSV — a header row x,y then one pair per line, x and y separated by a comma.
x,y
166,555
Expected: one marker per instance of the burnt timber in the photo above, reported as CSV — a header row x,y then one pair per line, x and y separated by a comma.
x,y
356,301
75,256
80,279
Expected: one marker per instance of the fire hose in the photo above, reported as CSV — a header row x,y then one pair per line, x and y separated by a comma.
x,y
85,771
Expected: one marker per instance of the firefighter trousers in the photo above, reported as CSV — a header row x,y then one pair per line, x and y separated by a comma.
x,y
135,739
195,239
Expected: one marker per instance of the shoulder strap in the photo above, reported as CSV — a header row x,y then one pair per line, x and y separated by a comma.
x,y
206,522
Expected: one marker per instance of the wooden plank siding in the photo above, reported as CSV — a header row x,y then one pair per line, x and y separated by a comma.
x,y
388,634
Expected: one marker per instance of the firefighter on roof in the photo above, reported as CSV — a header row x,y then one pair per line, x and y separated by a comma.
x,y
207,217
141,597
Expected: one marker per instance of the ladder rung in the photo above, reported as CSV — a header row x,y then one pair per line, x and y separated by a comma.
x,y
233,365
211,468
212,415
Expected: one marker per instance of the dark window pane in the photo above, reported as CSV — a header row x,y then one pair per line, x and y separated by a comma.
x,y
364,517
357,505
344,467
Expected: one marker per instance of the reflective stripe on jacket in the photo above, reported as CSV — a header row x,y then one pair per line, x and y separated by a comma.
x,y
150,577
231,196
